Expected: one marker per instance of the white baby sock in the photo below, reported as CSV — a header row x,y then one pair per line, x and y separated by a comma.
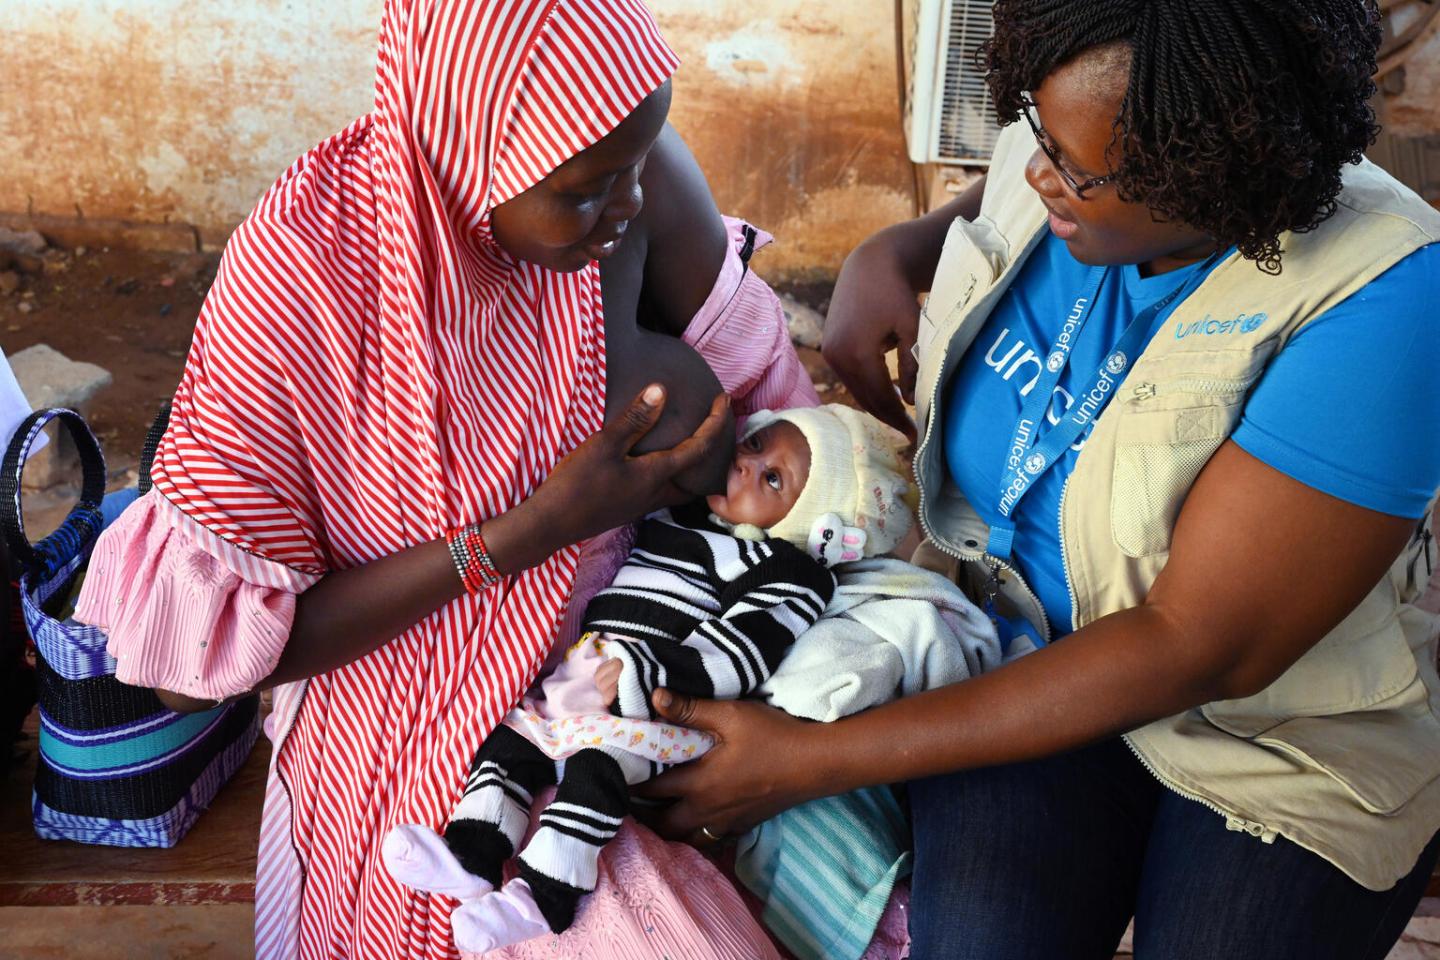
x,y
418,857
510,915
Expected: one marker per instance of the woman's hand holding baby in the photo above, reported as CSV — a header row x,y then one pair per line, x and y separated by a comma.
x,y
762,763
600,485
597,487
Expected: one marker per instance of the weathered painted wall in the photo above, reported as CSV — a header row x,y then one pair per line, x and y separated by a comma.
x,y
171,111
791,107
161,110
165,110
1415,112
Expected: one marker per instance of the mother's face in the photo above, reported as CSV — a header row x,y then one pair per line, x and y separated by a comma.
x,y
1077,106
579,212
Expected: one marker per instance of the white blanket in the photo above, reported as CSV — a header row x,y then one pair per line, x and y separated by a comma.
x,y
892,629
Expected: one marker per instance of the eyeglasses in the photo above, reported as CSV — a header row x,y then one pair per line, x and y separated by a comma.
x,y
1043,139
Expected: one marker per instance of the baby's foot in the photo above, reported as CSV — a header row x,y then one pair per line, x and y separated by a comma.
x,y
419,858
607,680
507,916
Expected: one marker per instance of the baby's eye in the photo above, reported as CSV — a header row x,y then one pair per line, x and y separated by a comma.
x,y
772,478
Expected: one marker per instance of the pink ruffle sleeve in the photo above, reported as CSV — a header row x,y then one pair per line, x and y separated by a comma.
x,y
185,610
741,332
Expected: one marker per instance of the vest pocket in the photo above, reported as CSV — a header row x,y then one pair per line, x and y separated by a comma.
x,y
1354,707
971,259
1365,660
1158,455
1172,412
1383,757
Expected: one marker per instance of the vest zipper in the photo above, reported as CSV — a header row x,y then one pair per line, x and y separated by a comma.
x,y
997,288
1064,557
1238,824
1232,822
975,555
1147,390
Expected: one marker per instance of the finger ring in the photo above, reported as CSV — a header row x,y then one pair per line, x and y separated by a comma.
x,y
713,838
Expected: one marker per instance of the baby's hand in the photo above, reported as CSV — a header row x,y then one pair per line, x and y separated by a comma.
x,y
607,680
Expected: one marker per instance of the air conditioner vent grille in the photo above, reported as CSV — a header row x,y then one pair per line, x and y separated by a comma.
x,y
967,129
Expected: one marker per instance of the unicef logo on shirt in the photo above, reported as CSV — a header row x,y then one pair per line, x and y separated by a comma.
x,y
1035,463
1055,362
1116,362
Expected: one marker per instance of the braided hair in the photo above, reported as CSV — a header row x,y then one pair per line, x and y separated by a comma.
x,y
1239,114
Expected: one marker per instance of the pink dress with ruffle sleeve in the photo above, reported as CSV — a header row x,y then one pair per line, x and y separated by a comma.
x,y
218,617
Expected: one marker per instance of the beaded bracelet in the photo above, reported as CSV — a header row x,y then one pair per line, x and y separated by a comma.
x,y
471,558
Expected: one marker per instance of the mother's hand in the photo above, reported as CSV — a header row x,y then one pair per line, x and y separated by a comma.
x,y
599,485
763,762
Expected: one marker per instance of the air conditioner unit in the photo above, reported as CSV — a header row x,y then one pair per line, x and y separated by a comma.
x,y
948,115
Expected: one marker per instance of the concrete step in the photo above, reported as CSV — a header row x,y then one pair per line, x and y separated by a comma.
x,y
154,932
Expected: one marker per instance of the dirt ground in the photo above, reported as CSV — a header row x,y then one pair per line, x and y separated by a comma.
x,y
133,312
129,311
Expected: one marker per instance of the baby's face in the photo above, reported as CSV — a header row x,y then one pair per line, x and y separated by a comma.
x,y
766,477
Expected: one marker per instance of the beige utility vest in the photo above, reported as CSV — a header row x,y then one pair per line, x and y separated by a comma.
x,y
1341,754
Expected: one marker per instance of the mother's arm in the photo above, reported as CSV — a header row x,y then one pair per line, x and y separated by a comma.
x,y
1261,568
685,235
598,486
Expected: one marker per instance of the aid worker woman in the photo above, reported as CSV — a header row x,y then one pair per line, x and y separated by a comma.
x,y
1177,419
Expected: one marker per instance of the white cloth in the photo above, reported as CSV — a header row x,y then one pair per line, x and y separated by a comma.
x,y
891,630
14,408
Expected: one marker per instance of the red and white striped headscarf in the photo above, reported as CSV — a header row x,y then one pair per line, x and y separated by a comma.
x,y
369,370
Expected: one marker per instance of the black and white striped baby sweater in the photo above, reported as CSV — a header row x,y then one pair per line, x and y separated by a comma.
x,y
701,612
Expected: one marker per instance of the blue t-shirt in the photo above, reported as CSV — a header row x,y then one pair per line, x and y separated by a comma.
x,y
1349,407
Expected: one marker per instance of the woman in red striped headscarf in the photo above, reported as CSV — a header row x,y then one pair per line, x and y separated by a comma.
x,y
395,396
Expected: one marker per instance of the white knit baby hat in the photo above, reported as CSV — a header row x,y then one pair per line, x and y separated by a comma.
x,y
853,501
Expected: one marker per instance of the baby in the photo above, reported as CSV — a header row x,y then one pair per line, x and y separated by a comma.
x,y
707,603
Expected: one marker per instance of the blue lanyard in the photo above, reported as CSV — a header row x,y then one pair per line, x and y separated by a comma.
x,y
1030,455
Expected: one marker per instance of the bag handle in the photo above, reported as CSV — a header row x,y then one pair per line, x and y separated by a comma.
x,y
82,526
152,444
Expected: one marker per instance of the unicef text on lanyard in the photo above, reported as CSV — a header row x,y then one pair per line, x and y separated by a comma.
x,y
1029,455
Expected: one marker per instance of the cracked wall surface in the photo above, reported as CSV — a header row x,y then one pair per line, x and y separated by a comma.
x,y
168,111
162,111
158,110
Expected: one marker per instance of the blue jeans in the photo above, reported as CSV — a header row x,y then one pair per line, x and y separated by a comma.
x,y
1049,860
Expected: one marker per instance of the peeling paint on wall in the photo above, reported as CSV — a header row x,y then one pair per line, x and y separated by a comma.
x,y
1416,111
791,108
161,110
753,57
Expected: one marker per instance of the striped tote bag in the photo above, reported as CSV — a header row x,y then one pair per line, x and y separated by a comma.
x,y
115,767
